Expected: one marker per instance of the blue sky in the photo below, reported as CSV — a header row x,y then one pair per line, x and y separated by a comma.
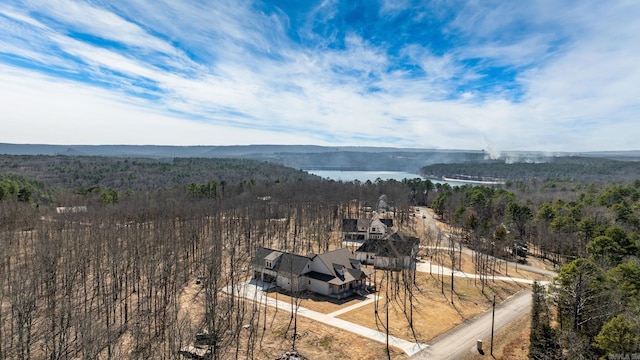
x,y
496,75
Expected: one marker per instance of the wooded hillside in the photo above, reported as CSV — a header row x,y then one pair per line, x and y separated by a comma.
x,y
142,174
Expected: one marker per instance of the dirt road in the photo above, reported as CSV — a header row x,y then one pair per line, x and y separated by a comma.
x,y
462,339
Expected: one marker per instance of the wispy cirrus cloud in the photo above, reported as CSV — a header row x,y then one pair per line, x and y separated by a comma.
x,y
533,75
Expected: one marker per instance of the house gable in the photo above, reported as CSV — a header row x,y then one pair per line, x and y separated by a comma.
x,y
340,265
292,265
377,228
264,255
334,273
363,225
363,229
389,251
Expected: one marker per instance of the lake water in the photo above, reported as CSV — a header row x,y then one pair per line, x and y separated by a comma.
x,y
363,176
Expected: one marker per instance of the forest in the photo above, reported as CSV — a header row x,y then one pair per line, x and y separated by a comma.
x,y
590,232
135,174
107,282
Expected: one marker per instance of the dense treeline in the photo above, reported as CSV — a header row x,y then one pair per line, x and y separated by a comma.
x,y
142,174
592,234
574,168
25,189
109,281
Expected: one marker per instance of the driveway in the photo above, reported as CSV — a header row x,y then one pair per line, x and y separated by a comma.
x,y
253,290
425,267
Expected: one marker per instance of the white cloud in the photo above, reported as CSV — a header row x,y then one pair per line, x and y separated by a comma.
x,y
86,18
45,110
235,70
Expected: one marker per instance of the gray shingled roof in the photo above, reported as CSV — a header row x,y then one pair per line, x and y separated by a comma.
x,y
336,260
349,225
394,245
341,259
286,263
352,225
261,255
292,264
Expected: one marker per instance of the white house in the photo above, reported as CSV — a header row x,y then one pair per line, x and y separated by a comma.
x,y
71,209
364,229
394,251
334,273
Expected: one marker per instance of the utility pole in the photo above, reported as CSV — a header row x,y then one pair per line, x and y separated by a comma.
x,y
493,318
386,305
452,286
442,279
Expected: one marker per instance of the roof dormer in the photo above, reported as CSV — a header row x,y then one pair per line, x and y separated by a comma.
x,y
271,259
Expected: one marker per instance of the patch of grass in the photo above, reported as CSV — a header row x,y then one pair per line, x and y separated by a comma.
x,y
325,342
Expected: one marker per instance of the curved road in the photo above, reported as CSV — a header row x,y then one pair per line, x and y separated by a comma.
x,y
430,222
461,340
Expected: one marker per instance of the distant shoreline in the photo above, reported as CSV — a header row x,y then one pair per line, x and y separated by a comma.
x,y
482,182
372,175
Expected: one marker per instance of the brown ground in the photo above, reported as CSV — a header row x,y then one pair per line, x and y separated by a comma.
x,y
467,263
315,341
317,303
468,266
433,312
510,342
319,341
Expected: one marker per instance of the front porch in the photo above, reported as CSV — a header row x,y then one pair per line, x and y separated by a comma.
x,y
343,291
